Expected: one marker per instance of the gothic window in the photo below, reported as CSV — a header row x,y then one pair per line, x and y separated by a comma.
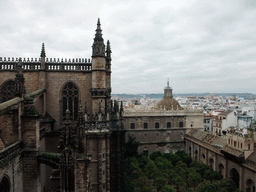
x,y
7,91
132,125
157,125
145,125
181,124
169,125
70,99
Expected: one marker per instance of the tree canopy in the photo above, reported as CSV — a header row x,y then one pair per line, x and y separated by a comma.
x,y
170,173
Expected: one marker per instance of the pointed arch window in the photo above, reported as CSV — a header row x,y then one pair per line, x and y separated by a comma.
x,y
7,91
70,98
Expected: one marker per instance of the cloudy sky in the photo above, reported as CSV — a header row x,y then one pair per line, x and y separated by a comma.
x,y
201,46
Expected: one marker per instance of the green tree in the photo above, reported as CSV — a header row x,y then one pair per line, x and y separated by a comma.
x,y
211,175
195,178
200,168
155,154
151,170
184,157
168,188
172,158
207,186
227,185
143,160
131,147
143,184
160,182
178,181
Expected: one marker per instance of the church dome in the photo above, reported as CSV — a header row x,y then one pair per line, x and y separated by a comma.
x,y
168,102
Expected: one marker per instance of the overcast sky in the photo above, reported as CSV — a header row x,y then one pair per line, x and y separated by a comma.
x,y
200,45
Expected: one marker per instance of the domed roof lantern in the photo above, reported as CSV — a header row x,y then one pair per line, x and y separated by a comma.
x,y
168,91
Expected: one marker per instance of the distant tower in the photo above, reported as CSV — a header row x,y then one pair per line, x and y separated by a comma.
x,y
100,71
168,91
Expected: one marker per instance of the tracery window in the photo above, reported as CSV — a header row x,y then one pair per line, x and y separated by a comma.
x,y
70,98
7,91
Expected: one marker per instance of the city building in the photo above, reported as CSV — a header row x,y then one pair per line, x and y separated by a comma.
x,y
163,127
208,123
233,156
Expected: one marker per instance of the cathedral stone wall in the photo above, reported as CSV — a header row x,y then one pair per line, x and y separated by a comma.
x,y
9,128
55,83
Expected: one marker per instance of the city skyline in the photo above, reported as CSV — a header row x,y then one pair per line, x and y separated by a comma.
x,y
200,46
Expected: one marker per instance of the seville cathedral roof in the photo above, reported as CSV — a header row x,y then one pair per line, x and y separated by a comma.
x,y
168,102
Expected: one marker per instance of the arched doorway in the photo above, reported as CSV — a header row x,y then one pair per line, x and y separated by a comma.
x,y
221,170
5,184
234,175
250,186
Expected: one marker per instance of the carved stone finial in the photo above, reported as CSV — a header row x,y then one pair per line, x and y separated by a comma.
x,y
43,54
98,47
108,51
19,80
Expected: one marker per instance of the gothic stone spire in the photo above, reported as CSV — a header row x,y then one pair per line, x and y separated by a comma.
x,y
98,47
108,51
43,54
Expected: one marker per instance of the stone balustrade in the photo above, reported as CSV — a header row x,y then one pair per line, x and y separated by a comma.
x,y
51,64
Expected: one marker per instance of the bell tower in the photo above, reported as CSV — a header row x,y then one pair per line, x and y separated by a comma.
x,y
100,89
168,91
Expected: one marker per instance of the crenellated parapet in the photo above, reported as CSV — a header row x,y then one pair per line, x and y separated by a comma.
x,y
51,64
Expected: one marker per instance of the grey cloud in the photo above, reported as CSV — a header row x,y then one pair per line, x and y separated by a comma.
x,y
202,47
